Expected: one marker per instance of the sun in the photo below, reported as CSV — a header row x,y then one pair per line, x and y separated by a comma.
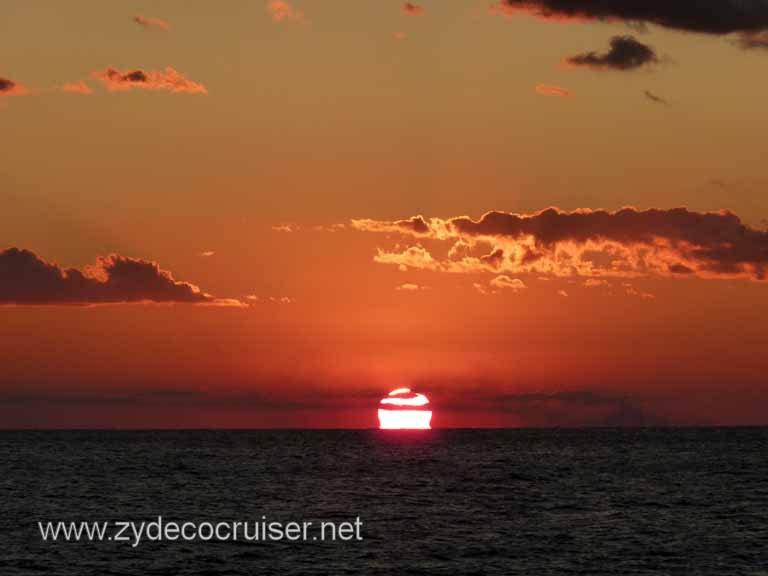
x,y
402,409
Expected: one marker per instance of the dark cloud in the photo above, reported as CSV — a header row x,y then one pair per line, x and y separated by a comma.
x,y
653,97
10,88
592,242
625,53
708,16
27,279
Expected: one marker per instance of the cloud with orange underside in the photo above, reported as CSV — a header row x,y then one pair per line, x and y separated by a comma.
x,y
592,244
168,80
720,17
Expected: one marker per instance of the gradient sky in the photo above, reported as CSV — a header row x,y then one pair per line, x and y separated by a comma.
x,y
242,168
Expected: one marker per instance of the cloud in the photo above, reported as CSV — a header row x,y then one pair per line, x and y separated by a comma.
x,y
625,53
206,253
282,11
504,282
76,88
717,17
149,22
10,88
410,287
587,243
595,283
27,279
412,9
168,80
653,97
550,90
562,293
285,227
632,291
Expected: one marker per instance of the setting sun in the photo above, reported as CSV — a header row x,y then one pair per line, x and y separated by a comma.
x,y
402,409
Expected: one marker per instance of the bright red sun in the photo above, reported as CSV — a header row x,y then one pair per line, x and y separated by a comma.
x,y
402,409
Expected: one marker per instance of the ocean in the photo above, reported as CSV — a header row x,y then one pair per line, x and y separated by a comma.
x,y
533,502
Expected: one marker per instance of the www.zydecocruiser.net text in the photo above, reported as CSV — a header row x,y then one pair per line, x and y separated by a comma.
x,y
159,530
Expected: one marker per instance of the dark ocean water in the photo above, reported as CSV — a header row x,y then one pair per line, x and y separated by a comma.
x,y
690,501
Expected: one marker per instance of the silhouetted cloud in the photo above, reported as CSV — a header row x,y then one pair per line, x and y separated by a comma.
x,y
413,9
168,80
712,17
150,22
653,97
550,90
10,88
76,88
27,279
282,11
625,53
589,243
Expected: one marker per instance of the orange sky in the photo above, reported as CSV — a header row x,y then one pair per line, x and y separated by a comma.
x,y
241,147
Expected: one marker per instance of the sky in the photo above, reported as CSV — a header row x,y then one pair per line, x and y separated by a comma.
x,y
271,213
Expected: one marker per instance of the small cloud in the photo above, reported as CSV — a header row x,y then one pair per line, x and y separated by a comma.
x,y
631,291
504,282
480,288
329,228
282,11
254,298
10,88
76,88
409,287
207,253
595,283
625,53
562,293
281,300
168,80
286,228
412,9
551,90
149,22
654,98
